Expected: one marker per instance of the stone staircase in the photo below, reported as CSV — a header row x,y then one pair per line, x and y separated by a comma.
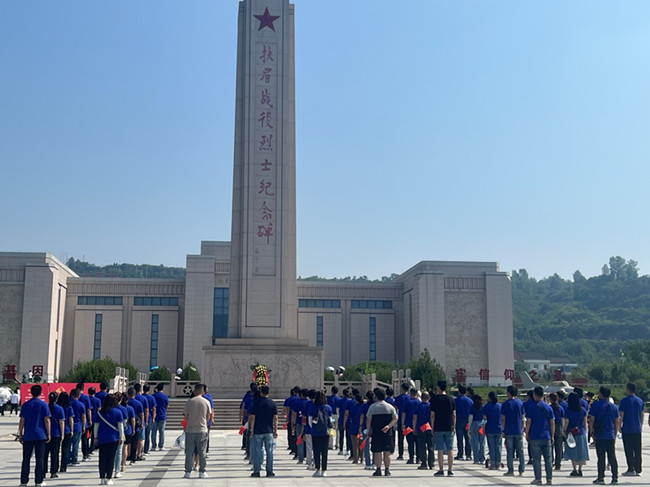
x,y
226,414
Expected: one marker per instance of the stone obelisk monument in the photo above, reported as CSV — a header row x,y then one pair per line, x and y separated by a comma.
x,y
262,321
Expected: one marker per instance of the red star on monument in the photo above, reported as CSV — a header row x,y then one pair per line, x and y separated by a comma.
x,y
266,20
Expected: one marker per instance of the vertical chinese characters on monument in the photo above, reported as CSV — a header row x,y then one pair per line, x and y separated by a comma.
x,y
266,144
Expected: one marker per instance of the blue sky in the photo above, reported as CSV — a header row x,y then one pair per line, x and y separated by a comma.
x,y
515,132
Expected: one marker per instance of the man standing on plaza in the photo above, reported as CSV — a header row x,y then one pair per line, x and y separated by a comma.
x,y
443,421
380,420
512,415
604,422
463,407
632,420
34,433
263,423
162,403
400,403
540,431
197,414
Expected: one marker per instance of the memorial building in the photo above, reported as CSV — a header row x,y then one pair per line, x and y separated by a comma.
x,y
240,302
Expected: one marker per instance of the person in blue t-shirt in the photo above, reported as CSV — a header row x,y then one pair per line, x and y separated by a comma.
x,y
342,407
477,440
631,410
151,407
33,434
136,437
424,433
162,403
540,431
244,406
85,438
57,427
354,422
333,402
96,405
409,407
286,412
297,423
399,405
365,434
79,425
64,402
109,431
129,431
575,422
463,409
558,440
493,430
512,414
103,392
604,422
319,417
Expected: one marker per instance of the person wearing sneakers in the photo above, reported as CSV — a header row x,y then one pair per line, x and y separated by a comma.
x,y
631,409
424,438
512,415
605,424
109,436
380,420
34,434
319,417
263,423
162,403
197,414
443,421
540,431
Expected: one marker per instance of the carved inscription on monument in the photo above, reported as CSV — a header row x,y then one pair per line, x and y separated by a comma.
x,y
266,144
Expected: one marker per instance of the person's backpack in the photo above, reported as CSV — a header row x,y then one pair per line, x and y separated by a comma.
x,y
321,422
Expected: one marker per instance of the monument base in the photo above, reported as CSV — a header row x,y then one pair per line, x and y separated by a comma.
x,y
227,365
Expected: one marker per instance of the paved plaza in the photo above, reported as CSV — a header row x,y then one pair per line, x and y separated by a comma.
x,y
226,467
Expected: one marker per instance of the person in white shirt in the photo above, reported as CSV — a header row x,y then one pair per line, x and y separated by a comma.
x,y
15,401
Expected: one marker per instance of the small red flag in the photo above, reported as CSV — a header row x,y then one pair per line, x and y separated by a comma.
x,y
425,427
363,443
184,423
481,430
407,431
299,440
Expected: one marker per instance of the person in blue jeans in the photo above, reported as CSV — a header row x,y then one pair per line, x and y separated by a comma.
x,y
512,414
79,425
477,440
162,403
33,434
263,422
493,429
540,431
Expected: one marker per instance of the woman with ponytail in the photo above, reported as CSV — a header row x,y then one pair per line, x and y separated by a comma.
x,y
64,402
57,427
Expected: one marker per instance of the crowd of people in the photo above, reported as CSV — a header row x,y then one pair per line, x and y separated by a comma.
x,y
120,427
423,427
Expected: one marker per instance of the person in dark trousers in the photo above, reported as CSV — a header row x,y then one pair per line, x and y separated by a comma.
x,y
64,402
424,433
87,427
109,434
263,422
604,422
400,404
463,409
34,434
79,422
631,410
319,417
558,440
57,427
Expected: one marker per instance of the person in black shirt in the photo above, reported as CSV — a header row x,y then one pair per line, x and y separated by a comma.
x,y
263,422
443,420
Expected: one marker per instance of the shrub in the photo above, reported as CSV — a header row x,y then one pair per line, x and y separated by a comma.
x,y
161,373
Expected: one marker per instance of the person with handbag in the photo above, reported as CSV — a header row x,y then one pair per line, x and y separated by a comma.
x,y
575,424
109,435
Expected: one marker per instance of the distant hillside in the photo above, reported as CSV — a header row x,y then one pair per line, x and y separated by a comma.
x,y
586,319
85,269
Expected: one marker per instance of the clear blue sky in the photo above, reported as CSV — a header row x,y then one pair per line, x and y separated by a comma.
x,y
507,131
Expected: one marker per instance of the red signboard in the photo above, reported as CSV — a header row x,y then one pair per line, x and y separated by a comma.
x,y
26,394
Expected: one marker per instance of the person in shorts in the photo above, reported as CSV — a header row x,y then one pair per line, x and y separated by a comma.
x,y
380,420
443,421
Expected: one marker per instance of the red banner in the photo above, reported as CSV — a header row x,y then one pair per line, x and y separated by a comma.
x,y
26,394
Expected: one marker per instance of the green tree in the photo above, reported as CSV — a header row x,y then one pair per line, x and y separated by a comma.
x,y
161,373
190,372
425,369
102,370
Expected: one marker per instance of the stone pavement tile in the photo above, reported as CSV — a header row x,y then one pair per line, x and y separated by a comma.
x,y
227,468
